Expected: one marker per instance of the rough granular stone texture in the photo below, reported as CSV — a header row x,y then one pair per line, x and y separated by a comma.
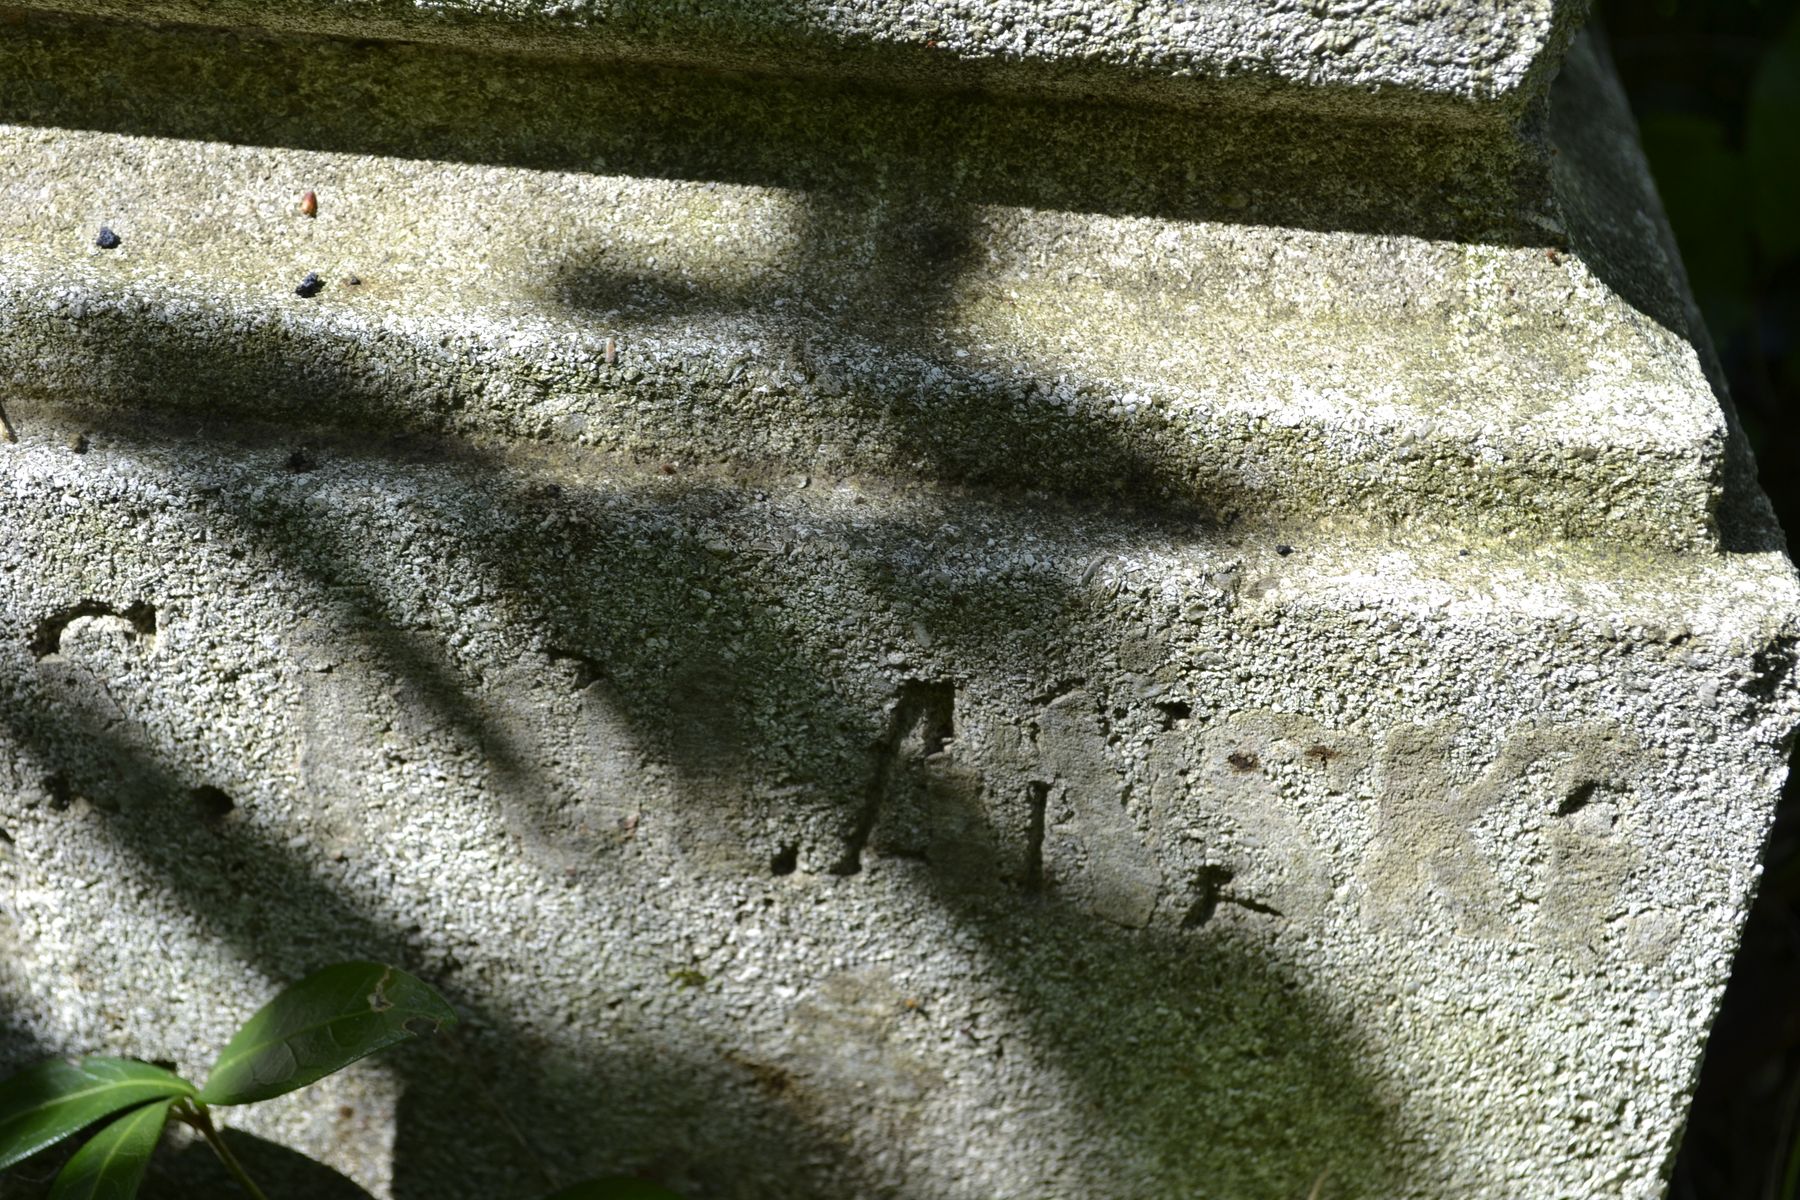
x,y
980,296
874,643
1474,59
967,847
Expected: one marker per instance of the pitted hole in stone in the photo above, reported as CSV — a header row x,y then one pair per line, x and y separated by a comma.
x,y
1209,890
139,618
60,791
582,671
1174,712
1322,754
785,861
211,803
1578,797
142,616
1242,761
6,837
1770,667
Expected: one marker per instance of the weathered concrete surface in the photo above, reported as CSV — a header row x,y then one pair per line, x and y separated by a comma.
x,y
911,307
1471,58
951,848
1022,677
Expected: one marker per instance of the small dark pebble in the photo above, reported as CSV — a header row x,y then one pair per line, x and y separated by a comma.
x,y
1284,550
1462,554
311,286
107,240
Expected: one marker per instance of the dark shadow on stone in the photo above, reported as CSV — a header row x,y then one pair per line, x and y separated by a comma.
x,y
860,309
689,1112
194,1170
1437,179
1201,1057
1250,1085
190,1169
258,897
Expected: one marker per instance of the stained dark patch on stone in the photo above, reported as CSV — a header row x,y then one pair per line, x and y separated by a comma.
x,y
211,803
1322,754
46,639
1242,761
774,1080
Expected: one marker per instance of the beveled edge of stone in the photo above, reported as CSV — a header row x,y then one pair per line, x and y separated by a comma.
x,y
1251,372
1443,58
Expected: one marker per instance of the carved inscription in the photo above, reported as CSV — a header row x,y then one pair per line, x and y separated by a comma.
x,y
1562,790
1089,839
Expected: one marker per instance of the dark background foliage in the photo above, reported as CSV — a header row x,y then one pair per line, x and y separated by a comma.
x,y
1715,85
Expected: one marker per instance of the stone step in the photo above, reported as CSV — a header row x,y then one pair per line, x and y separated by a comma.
x,y
917,312
1469,59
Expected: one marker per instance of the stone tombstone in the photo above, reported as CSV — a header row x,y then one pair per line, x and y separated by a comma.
x,y
924,600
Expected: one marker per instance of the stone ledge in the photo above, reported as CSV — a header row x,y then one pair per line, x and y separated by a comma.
x,y
876,323
1467,59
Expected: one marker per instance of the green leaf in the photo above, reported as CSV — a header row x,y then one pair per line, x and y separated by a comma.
x,y
619,1187
322,1024
111,1165
42,1105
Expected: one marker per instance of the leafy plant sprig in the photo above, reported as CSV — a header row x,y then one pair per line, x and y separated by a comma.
x,y
320,1025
